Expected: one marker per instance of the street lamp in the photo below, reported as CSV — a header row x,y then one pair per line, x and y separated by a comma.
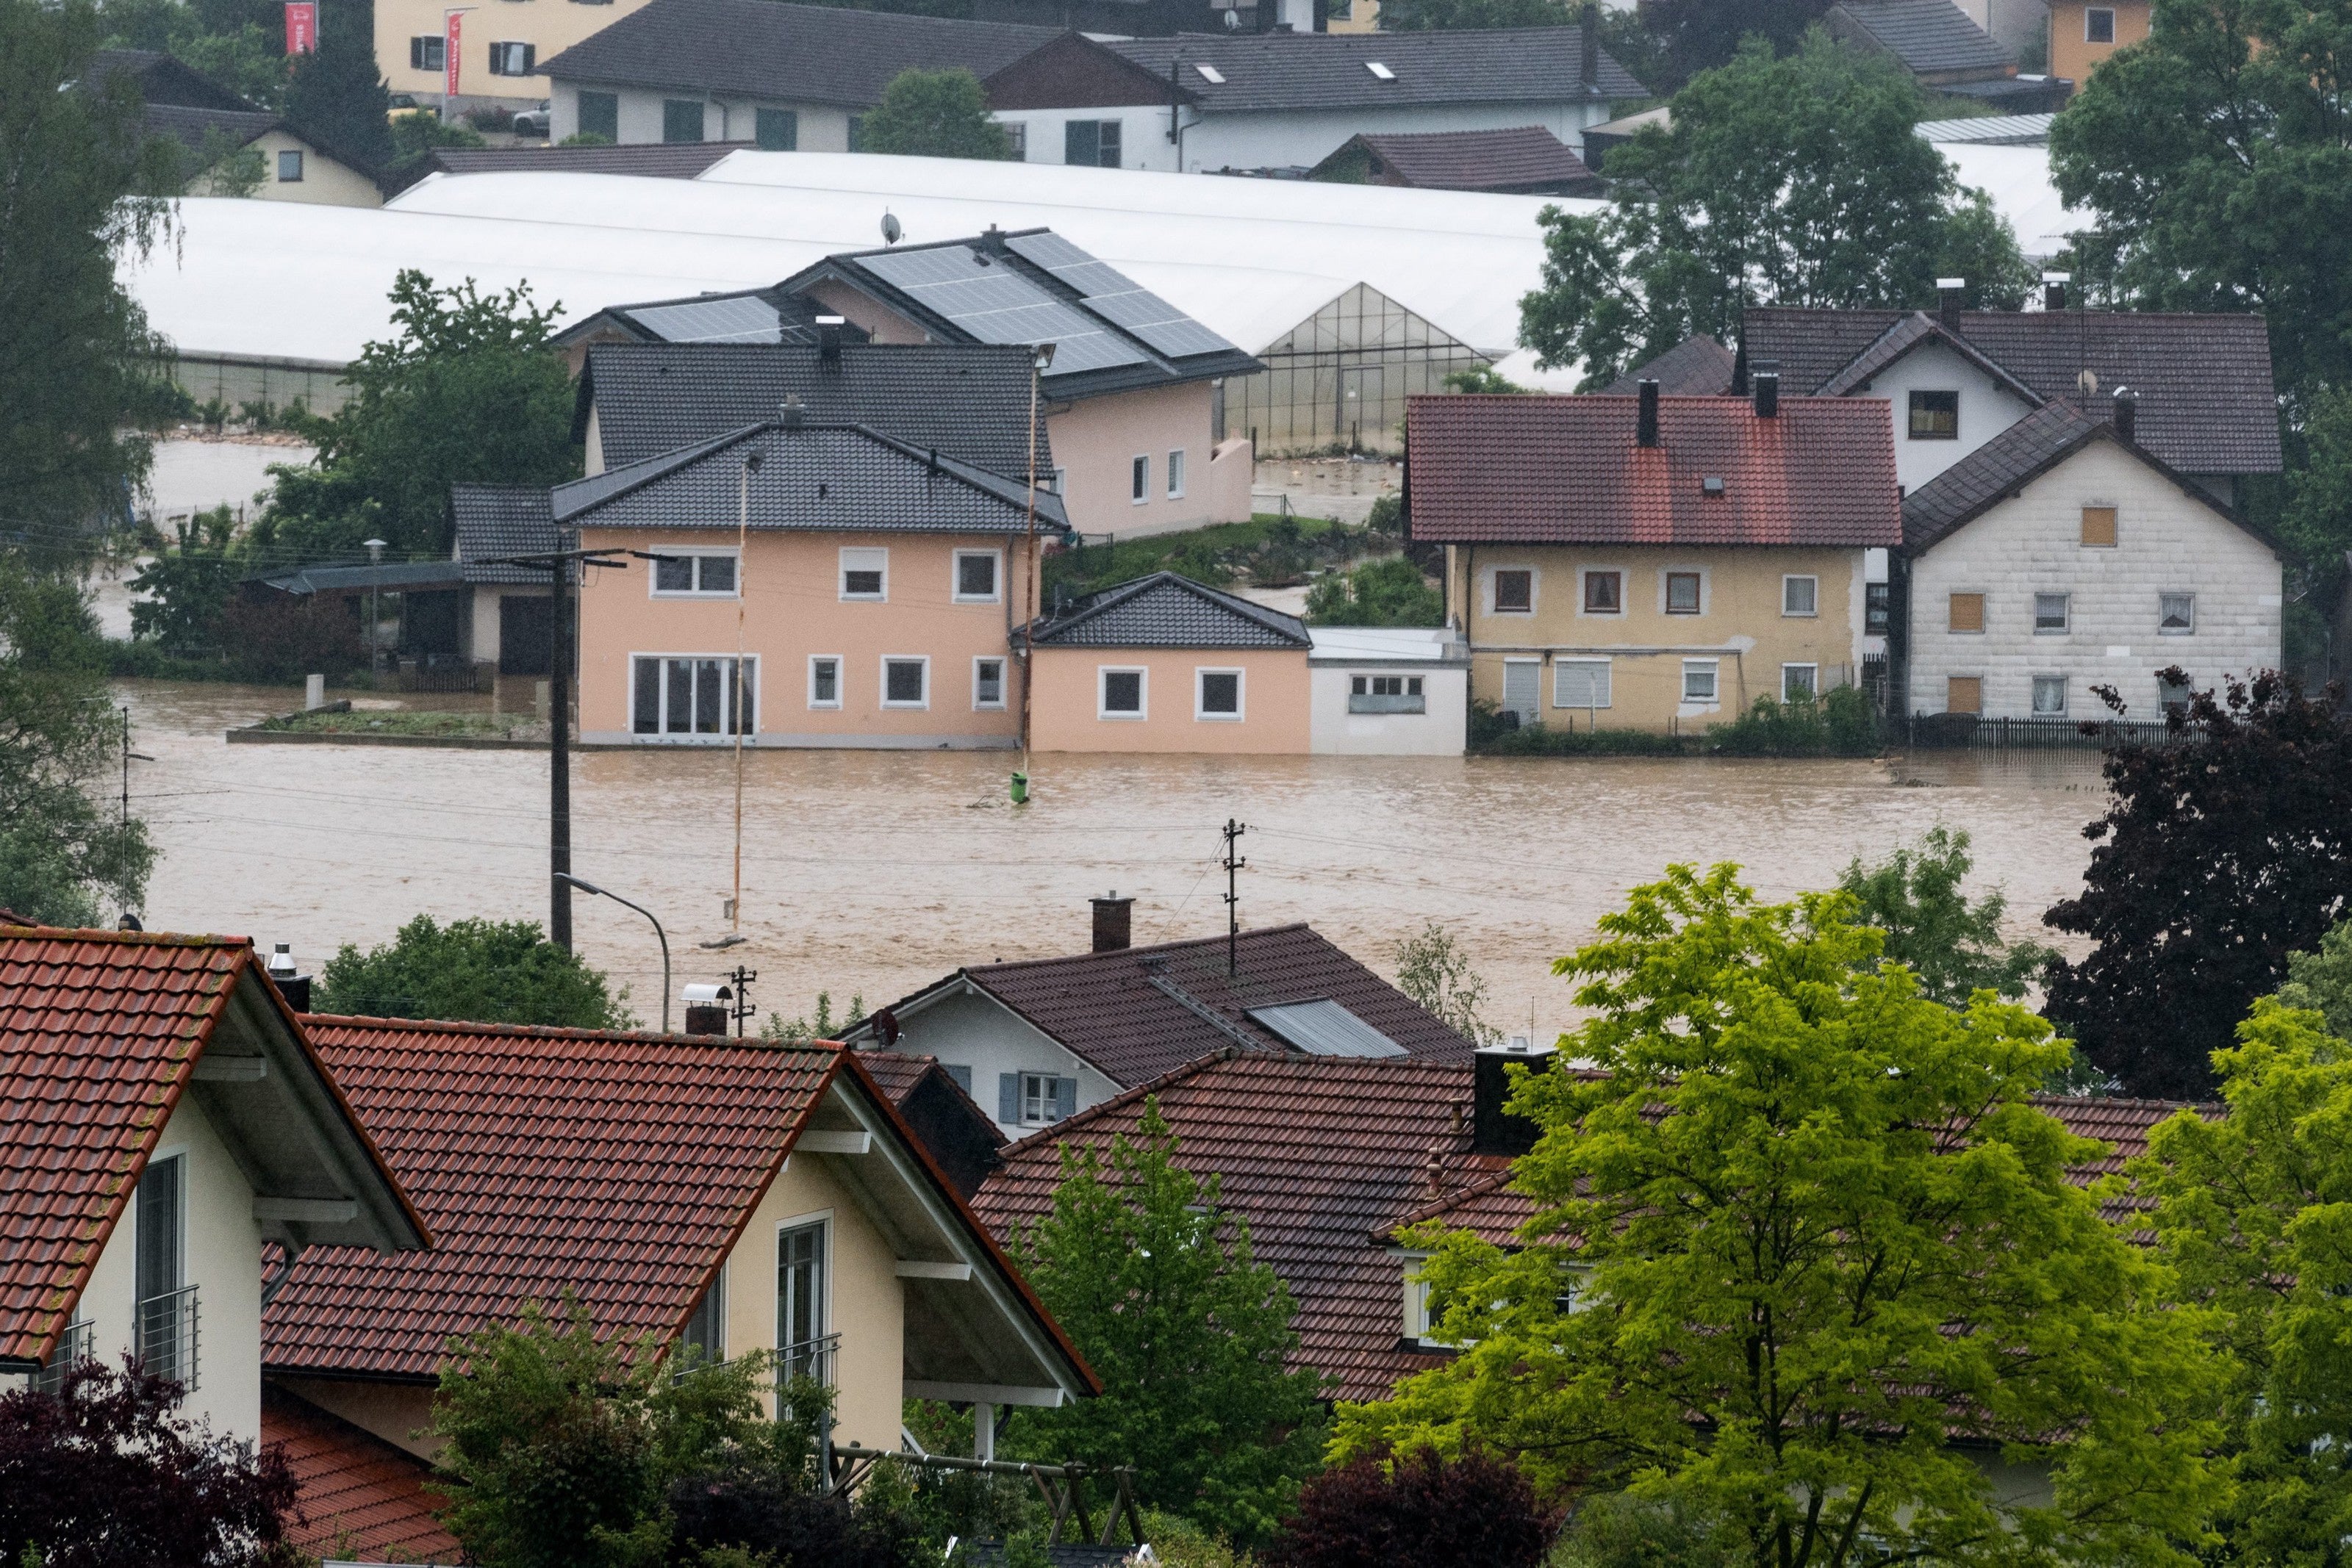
x,y
590,889
375,612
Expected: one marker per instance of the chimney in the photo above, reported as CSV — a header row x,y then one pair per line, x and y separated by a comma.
x,y
992,240
2054,290
1492,1130
828,339
1948,293
1767,389
2126,416
1589,73
295,987
707,1008
1645,422
788,412
1113,922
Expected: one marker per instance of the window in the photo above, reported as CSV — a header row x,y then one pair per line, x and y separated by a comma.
x,y
681,119
1682,592
1093,142
1964,694
600,115
1016,132
691,695
2099,24
975,575
706,1331
1698,680
1175,475
1139,480
1060,482
2049,695
2175,614
1967,613
776,130
1386,694
1522,687
2172,695
1580,682
1800,683
987,682
1121,693
698,575
866,574
289,166
1604,594
2050,612
1380,72
1036,1099
432,54
2099,528
1935,416
1800,596
515,60
1219,695
1515,592
166,1338
802,1347
1877,608
825,681
906,682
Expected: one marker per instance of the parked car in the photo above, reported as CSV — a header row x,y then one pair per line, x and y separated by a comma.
x,y
403,105
532,122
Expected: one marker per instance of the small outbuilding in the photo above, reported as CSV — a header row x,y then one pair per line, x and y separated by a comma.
x,y
1522,159
1389,691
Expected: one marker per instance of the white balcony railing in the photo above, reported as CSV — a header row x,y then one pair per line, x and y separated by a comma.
x,y
167,1336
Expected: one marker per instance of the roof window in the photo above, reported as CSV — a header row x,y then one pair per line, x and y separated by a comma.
x,y
1379,70
1324,1027
1209,73
1711,485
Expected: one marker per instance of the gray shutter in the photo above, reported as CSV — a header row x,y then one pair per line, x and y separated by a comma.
x,y
1522,687
1066,1098
1008,1097
962,1076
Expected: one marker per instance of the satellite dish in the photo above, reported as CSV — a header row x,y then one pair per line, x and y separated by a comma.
x,y
890,229
2087,383
1232,20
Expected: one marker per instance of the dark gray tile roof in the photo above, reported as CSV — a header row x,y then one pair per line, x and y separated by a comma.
x,y
837,478
163,80
1522,157
971,400
650,160
238,126
2207,404
1926,35
1300,71
1697,367
502,520
1906,334
391,577
809,54
1165,611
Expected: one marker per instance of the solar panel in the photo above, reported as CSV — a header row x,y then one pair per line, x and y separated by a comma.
x,y
1114,296
741,319
1324,1029
998,305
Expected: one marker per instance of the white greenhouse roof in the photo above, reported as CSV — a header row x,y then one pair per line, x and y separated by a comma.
x,y
2018,180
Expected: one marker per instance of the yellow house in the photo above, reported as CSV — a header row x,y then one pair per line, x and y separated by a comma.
x,y
2084,33
1653,562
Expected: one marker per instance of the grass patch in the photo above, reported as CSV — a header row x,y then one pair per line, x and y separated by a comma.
x,y
441,726
1267,551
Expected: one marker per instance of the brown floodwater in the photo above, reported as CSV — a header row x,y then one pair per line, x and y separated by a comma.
x,y
872,872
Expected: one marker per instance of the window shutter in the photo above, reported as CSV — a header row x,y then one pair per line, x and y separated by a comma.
x,y
1066,1098
962,1076
1968,612
1522,684
1580,682
1008,1097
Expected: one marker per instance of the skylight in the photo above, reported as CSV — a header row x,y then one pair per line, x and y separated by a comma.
x,y
1324,1027
1379,70
1211,74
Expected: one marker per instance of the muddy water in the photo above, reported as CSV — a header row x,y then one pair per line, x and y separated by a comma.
x,y
873,872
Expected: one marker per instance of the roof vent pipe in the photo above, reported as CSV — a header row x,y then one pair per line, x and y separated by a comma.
x,y
828,339
1114,923
788,412
1589,72
2126,416
1492,1130
2054,290
293,985
1950,292
1767,389
992,240
1645,422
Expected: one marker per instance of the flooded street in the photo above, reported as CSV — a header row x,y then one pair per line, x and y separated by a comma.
x,y
873,872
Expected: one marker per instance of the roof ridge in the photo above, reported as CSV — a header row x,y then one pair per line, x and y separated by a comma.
x,y
10,931
564,1031
972,969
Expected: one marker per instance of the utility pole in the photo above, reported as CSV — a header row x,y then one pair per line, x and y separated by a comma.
x,y
1041,359
1234,832
740,980
126,767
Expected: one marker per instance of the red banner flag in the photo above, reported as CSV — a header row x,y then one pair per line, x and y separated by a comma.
x,y
301,28
450,55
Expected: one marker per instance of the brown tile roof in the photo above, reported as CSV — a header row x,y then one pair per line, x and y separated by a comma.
x,y
1520,157
896,1075
649,160
1696,366
361,1498
1566,470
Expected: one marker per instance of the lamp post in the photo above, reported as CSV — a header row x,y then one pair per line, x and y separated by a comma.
x,y
590,889
375,613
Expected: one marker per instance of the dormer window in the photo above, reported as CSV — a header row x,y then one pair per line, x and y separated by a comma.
x,y
1380,71
1211,75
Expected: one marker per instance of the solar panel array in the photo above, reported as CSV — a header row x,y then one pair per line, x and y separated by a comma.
x,y
997,305
1113,295
732,318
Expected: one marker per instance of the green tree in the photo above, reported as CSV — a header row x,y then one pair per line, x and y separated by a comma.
x,y
1434,970
2321,981
1386,592
415,139
2318,520
470,389
1481,379
482,970
1460,15
935,114
61,851
1954,947
335,93
1801,1244
240,44
1160,1291
184,590
1695,36
1791,180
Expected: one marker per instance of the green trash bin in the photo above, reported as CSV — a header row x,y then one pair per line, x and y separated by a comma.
x,y
1020,788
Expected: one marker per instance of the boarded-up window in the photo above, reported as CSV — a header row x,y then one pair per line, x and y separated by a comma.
x,y
1964,694
2099,527
1968,612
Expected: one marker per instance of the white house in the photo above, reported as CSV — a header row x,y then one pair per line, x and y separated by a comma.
x,y
2060,556
1388,691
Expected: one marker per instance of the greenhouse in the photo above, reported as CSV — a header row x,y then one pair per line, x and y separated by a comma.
x,y
1337,381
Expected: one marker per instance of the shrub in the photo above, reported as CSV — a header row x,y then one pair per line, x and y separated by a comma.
x,y
1620,1531
480,970
272,638
1386,592
1837,723
1419,1507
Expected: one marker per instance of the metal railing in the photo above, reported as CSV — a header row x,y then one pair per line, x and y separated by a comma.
x,y
167,1336
811,1359
73,1347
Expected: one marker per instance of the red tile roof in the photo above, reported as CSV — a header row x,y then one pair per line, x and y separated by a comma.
x,y
361,1498
895,1073
1566,470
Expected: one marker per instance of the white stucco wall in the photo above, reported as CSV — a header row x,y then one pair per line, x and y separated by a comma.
x,y
1443,730
1143,134
973,1030
2166,543
1985,410
1305,138
822,127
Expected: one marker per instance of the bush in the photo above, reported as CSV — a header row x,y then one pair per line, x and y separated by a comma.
x,y
1838,723
480,970
1620,1531
272,638
1386,592
1491,735
1376,1512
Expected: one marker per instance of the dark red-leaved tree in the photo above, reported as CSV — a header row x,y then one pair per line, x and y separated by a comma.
x,y
104,1473
1417,1508
2217,858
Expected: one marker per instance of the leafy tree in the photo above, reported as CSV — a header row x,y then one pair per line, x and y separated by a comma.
x,y
470,389
1953,946
61,851
1434,970
1695,36
221,166
1804,1235
107,1471
1460,15
240,44
2317,518
1790,181
1417,1508
2321,981
935,114
1190,1333
415,139
1386,592
184,590
2215,860
482,970
1614,1530
1481,379
335,93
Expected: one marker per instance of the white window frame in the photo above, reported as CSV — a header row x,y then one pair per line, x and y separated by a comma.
x,y
955,578
863,557
704,736
1814,668
1608,682
2033,696
839,665
1060,482
296,177
2164,631
1176,474
1624,576
1142,674
924,660
2108,42
1494,592
1794,577
1416,1299
1714,668
1241,693
1021,1097
2065,612
1139,479
1665,590
1000,662
697,557
821,1219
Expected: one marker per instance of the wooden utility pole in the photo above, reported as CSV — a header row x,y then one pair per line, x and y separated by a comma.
x,y
1234,832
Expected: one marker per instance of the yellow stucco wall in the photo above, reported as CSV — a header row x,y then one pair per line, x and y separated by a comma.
x,y
324,181
553,27
2071,55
